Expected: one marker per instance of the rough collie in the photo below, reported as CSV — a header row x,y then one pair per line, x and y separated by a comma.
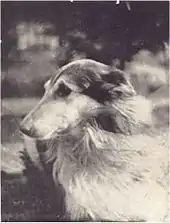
x,y
105,150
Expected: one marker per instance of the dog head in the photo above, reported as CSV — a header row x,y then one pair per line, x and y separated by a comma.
x,y
81,91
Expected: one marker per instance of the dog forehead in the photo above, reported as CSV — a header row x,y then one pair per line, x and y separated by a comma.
x,y
83,65
80,68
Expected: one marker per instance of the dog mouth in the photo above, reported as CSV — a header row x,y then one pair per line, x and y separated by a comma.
x,y
63,128
79,127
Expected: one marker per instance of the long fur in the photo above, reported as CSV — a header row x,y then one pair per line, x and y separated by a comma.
x,y
111,163
108,175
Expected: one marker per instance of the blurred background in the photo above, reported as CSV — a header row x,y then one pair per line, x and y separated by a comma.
x,y
39,37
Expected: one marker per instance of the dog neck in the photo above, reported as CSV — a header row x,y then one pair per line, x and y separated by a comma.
x,y
93,147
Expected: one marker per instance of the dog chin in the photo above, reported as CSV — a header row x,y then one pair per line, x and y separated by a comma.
x,y
48,136
38,136
51,135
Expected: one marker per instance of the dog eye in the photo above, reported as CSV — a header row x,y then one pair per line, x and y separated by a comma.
x,y
62,91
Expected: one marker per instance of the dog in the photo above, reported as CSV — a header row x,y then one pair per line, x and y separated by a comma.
x,y
102,144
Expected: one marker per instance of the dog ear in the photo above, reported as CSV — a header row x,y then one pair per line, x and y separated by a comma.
x,y
118,83
107,86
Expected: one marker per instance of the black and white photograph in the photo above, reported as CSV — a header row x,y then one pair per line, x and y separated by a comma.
x,y
85,111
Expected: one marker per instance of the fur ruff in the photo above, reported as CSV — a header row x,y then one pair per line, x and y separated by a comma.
x,y
97,167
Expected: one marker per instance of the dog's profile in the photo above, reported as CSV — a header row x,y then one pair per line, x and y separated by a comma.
x,y
102,143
